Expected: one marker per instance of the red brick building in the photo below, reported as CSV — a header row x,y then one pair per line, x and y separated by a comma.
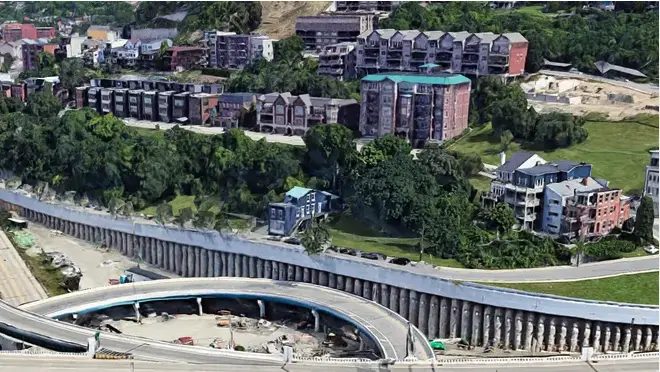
x,y
200,107
46,33
18,31
183,56
30,52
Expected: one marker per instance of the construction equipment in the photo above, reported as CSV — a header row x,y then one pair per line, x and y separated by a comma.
x,y
186,340
109,354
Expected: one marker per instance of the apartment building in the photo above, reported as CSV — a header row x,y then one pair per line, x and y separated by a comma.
x,y
338,61
232,107
184,57
18,31
372,6
121,102
94,98
135,103
81,97
46,33
150,105
319,31
30,50
583,208
180,107
651,184
202,108
229,50
105,33
466,53
418,107
294,115
521,181
165,106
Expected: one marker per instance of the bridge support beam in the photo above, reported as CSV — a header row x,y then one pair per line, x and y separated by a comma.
x,y
199,306
136,306
317,320
262,308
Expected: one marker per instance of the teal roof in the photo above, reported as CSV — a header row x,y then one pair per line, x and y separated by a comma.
x,y
429,65
420,79
298,192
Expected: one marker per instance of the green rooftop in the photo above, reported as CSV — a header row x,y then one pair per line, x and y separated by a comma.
x,y
419,78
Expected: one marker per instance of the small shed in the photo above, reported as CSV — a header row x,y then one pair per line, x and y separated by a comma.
x,y
18,223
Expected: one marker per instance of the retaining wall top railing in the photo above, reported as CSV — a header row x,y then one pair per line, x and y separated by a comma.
x,y
413,278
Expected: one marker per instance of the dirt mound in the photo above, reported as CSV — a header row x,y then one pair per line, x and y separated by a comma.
x,y
279,17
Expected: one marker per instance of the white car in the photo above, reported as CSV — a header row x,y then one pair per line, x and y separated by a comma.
x,y
651,249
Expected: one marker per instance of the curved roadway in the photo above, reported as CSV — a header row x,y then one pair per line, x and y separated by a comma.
x,y
386,328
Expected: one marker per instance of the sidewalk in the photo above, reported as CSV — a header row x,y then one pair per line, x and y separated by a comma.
x,y
17,284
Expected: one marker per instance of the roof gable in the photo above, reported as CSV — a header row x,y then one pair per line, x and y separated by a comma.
x,y
298,192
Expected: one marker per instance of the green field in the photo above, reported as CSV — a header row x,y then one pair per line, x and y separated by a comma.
x,y
480,183
348,232
184,201
633,288
618,150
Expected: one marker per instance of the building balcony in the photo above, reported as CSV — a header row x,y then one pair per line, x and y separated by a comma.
x,y
499,52
471,49
498,60
443,57
371,47
515,188
529,217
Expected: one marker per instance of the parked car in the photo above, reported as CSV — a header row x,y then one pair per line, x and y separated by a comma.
x,y
651,249
350,252
400,261
292,240
371,256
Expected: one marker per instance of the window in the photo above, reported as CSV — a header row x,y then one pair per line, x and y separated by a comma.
x,y
313,197
299,111
273,213
280,214
279,109
383,53
383,42
302,211
308,198
307,209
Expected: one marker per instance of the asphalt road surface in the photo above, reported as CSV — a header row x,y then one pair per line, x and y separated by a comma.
x,y
67,364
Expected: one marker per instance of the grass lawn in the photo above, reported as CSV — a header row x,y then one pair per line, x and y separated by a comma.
x,y
183,201
633,288
149,132
348,232
480,183
618,150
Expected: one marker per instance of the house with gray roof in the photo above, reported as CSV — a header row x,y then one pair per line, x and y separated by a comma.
x,y
480,54
319,31
287,114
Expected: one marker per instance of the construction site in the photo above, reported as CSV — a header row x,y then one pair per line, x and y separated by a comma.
x,y
583,96
236,324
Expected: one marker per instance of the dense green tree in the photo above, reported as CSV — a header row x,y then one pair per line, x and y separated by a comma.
x,y
644,221
185,215
316,237
383,149
499,217
43,105
164,213
330,149
72,74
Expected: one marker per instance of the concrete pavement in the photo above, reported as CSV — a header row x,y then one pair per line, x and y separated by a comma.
x,y
36,363
643,88
17,284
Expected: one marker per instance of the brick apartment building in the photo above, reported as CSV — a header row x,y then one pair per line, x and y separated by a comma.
x,y
652,180
46,33
30,50
583,208
466,53
286,114
232,107
338,61
418,107
18,31
185,57
374,6
229,50
319,31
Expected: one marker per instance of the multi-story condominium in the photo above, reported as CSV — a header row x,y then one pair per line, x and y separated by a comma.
x,y
521,182
104,33
374,6
202,108
150,105
229,50
294,115
165,106
457,52
94,98
299,206
123,56
45,32
107,100
135,103
319,31
18,31
30,52
184,57
338,61
651,184
180,107
232,107
583,208
418,107
121,102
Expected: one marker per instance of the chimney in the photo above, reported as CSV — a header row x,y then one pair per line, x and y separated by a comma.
x,y
502,158
585,181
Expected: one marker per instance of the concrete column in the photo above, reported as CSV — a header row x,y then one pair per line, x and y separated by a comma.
x,y
291,273
252,270
529,332
596,339
404,298
323,278
540,333
563,332
475,338
268,271
638,339
340,282
210,261
190,262
413,307
384,295
586,334
518,330
394,299
357,287
575,338
162,254
313,276
299,275
262,308
202,263
606,338
178,259
497,327
434,314
123,242
198,262
234,265
199,306
648,339
245,266
466,314
225,264
552,335
616,345
260,268
443,318
366,289
282,271
508,328
423,313
136,306
626,339
487,321
375,292
454,319
348,284
154,251
217,265
317,320
306,276
332,279
276,271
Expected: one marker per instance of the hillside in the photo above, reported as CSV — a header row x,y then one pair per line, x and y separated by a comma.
x,y
278,18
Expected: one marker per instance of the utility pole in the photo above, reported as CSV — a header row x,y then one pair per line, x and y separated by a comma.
x,y
421,242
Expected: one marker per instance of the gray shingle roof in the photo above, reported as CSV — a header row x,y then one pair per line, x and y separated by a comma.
x,y
565,165
515,161
568,188
540,170
515,37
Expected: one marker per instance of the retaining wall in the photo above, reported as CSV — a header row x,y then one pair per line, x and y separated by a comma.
x,y
438,307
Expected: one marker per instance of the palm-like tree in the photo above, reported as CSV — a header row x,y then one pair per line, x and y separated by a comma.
x,y
316,237
114,206
164,214
185,216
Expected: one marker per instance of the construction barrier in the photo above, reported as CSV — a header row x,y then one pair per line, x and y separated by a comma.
x,y
109,354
